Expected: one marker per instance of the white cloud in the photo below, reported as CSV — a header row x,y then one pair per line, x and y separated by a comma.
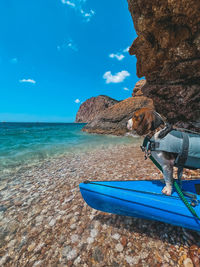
x,y
68,44
77,101
68,3
120,55
87,15
72,45
27,81
117,56
126,49
126,89
78,6
117,78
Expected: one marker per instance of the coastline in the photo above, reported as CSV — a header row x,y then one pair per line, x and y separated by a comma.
x,y
45,221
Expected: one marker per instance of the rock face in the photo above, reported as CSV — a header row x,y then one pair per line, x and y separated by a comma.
x,y
93,106
114,119
168,55
137,91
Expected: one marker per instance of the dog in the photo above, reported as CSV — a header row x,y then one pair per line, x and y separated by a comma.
x,y
144,122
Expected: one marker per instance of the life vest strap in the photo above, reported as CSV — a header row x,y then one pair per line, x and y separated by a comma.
x,y
183,155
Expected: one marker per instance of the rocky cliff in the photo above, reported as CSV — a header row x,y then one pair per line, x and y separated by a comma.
x,y
114,119
137,91
168,55
93,106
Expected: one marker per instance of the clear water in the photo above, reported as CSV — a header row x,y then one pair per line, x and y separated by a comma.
x,y
28,143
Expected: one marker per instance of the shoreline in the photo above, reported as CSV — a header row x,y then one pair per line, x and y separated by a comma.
x,y
10,166
45,221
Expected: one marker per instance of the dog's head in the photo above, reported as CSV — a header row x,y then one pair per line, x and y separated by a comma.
x,y
143,121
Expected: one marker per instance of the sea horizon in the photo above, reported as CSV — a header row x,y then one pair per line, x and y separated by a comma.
x,y
42,122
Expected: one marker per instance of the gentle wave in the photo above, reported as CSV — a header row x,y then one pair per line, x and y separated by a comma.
x,y
28,143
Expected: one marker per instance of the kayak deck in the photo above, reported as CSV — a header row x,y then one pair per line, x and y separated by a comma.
x,y
142,199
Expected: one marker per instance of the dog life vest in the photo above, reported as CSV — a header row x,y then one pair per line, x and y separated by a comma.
x,y
185,145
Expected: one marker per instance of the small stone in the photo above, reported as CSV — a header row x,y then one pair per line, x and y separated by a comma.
x,y
132,260
4,259
39,219
12,226
72,254
73,226
188,263
144,255
96,224
80,230
66,250
39,247
3,235
74,238
18,203
11,243
52,222
119,247
90,240
3,186
115,264
124,241
31,247
37,264
70,263
98,255
77,261
129,260
158,256
94,233
68,199
116,236
2,208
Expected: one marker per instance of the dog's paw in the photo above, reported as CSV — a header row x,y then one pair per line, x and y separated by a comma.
x,y
167,190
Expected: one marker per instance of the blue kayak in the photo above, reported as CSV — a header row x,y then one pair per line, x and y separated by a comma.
x,y
143,199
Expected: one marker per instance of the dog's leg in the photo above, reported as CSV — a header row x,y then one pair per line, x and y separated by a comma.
x,y
168,177
167,166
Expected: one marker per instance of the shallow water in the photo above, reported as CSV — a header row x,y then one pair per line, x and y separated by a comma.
x,y
29,143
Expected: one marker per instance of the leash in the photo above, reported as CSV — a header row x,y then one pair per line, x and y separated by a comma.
x,y
178,189
186,130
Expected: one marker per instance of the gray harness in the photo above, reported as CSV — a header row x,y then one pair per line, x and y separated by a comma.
x,y
187,148
185,145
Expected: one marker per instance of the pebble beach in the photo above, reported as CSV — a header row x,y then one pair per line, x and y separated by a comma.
x,y
45,222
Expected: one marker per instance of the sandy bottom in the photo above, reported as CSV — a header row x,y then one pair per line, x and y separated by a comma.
x,y
45,222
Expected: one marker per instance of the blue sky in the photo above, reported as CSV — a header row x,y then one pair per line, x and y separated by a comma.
x,y
56,54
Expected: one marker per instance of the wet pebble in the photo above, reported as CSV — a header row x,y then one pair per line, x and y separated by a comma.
x,y
119,247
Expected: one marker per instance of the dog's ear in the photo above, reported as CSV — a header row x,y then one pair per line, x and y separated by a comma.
x,y
141,116
144,125
156,121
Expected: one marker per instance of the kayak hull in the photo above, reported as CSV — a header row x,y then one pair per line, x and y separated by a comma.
x,y
142,199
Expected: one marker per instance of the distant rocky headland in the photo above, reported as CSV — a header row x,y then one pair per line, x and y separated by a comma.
x,y
92,107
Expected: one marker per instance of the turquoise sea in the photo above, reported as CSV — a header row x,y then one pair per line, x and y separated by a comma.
x,y
29,143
